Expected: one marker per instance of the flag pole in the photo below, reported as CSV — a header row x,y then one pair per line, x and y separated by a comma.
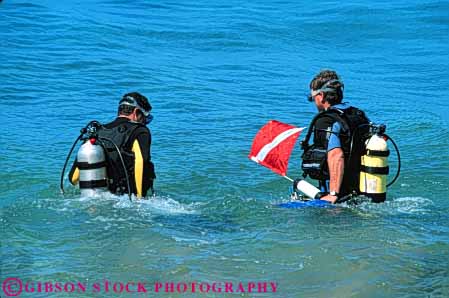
x,y
288,178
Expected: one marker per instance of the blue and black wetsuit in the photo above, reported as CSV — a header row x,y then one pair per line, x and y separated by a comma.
x,y
341,126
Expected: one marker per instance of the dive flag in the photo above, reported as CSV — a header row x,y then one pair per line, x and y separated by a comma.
x,y
273,145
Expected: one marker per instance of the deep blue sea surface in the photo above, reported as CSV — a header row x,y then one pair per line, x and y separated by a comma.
x,y
215,72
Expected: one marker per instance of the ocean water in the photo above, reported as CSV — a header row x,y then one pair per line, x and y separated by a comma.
x,y
215,72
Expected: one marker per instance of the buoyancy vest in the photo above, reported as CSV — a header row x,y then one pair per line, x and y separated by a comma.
x,y
353,133
119,134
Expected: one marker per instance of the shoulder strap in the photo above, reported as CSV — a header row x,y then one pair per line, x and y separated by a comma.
x,y
119,134
131,132
336,114
340,116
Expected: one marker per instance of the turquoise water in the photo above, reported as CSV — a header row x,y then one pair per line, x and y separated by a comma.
x,y
215,73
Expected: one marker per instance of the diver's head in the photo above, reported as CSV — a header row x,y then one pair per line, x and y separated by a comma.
x,y
135,107
326,89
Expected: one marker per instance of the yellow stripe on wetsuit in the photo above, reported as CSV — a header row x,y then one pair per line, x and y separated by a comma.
x,y
138,168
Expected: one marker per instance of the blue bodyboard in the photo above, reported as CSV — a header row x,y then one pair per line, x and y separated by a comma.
x,y
305,204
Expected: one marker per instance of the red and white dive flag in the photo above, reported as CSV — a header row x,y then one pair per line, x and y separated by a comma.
x,y
273,145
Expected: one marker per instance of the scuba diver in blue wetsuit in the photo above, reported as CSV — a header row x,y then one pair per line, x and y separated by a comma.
x,y
339,133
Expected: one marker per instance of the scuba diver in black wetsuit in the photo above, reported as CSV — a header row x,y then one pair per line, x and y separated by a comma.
x,y
339,134
129,134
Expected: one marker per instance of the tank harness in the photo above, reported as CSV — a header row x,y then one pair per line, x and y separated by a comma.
x,y
106,160
366,165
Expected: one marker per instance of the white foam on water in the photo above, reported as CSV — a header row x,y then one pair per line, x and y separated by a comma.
x,y
101,218
102,196
195,241
167,205
156,205
411,205
152,205
402,205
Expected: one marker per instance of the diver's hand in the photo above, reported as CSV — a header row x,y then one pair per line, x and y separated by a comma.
x,y
329,198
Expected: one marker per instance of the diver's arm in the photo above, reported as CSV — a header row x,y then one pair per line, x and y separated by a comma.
x,y
336,165
143,168
335,162
138,167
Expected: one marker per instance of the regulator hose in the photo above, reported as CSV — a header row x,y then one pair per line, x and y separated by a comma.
x,y
395,148
399,160
83,132
61,185
121,161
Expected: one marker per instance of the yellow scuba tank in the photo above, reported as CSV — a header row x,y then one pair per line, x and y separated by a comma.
x,y
374,167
